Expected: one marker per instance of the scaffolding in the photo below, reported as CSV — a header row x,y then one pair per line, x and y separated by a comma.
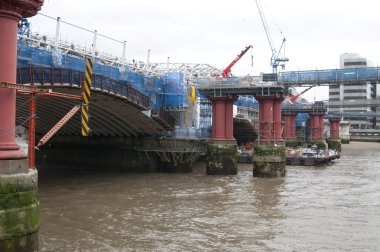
x,y
172,150
205,113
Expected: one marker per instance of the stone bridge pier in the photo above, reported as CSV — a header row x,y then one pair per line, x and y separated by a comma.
x,y
19,204
269,154
222,149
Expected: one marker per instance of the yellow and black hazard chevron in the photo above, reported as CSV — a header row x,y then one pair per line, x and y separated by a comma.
x,y
86,98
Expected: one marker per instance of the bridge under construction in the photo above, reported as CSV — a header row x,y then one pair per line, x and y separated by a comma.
x,y
147,99
132,115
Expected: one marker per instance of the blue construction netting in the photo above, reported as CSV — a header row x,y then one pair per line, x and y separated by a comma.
x,y
174,91
247,101
204,112
301,119
24,56
136,80
192,133
149,85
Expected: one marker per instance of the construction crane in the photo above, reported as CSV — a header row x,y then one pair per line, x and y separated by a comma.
x,y
227,71
294,98
275,60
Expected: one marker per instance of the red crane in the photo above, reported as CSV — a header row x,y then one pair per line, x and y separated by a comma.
x,y
294,98
227,71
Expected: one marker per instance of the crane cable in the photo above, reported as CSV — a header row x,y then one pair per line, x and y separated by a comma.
x,y
274,21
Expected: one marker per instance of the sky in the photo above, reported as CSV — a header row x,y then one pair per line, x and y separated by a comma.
x,y
215,31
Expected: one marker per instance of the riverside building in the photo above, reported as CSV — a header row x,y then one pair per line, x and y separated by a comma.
x,y
354,97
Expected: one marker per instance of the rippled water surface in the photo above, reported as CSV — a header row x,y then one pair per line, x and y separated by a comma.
x,y
328,208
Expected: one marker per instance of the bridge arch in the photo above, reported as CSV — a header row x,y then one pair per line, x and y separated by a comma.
x,y
115,107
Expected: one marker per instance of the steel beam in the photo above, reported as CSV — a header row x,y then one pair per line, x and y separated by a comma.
x,y
59,125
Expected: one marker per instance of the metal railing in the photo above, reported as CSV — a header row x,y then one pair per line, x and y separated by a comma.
x,y
290,108
54,77
228,83
164,117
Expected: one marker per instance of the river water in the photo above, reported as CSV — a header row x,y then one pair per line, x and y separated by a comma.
x,y
327,208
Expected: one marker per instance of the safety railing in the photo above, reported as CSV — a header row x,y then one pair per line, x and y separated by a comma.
x,y
228,83
164,117
52,77
317,108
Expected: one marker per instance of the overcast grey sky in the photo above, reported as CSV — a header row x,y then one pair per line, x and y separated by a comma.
x,y
215,31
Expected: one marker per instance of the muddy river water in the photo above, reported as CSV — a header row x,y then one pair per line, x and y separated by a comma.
x,y
327,208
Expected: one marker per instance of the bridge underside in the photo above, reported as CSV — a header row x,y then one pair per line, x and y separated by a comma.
x,y
244,131
109,116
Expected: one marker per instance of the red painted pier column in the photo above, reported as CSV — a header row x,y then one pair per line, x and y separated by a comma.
x,y
316,124
222,117
261,116
266,122
321,126
290,126
213,115
229,119
269,158
10,14
334,128
270,117
313,127
8,56
22,212
293,128
277,119
222,151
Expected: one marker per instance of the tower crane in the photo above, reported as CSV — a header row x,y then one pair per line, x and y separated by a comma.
x,y
275,60
227,71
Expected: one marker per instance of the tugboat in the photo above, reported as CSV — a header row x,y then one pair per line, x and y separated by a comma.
x,y
310,156
245,155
